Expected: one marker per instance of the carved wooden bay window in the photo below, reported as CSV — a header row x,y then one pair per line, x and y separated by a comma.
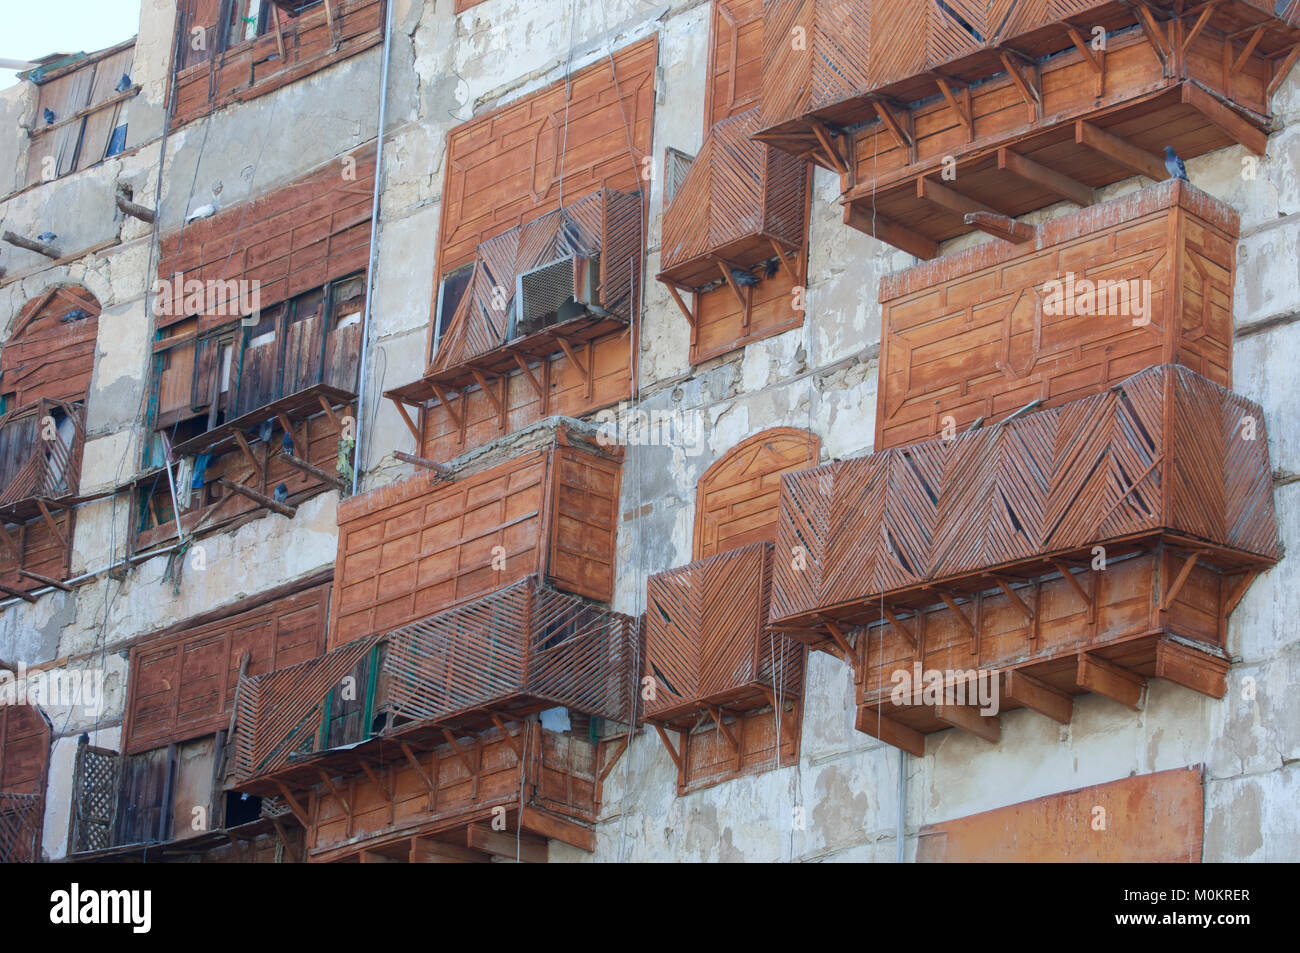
x,y
712,661
423,735
984,550
965,116
45,371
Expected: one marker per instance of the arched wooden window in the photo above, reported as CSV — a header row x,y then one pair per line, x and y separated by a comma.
x,y
51,351
24,765
737,500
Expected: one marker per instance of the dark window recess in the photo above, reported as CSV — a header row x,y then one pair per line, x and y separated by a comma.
x,y
450,294
242,808
350,714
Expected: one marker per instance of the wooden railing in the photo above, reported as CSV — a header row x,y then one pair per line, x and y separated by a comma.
x,y
40,454
20,827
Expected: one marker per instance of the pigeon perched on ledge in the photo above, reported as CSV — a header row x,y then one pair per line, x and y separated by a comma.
x,y
49,116
286,444
281,493
1174,163
123,84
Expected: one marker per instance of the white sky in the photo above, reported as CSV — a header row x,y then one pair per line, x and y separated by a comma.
x,y
34,28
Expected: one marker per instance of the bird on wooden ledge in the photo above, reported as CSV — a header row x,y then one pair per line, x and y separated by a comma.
x,y
1174,163
743,278
286,444
281,493
49,116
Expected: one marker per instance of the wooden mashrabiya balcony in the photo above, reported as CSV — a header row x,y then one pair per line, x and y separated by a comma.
x,y
944,117
1083,548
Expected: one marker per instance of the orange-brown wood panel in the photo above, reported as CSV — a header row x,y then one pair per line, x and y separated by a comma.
x,y
289,241
737,501
735,59
720,321
183,686
24,749
749,746
51,351
43,551
983,333
409,550
1150,818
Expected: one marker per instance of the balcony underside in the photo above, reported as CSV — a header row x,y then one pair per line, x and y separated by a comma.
x,y
916,208
562,338
305,403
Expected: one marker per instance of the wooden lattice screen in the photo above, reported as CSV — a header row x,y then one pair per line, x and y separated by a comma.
x,y
705,640
516,651
24,766
1165,452
21,817
741,202
94,798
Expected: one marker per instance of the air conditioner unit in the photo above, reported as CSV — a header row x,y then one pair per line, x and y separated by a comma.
x,y
555,293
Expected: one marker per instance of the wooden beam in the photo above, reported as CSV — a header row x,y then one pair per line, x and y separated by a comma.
x,y
487,391
45,580
1082,46
528,848
1188,565
419,768
968,718
1028,90
672,290
890,732
1253,42
248,455
527,371
950,198
672,752
1222,116
731,281
890,232
1120,151
8,542
963,114
717,715
460,754
781,259
1282,70
824,136
49,521
573,358
292,803
1184,665
1048,178
1106,678
261,499
1239,591
441,394
298,462
135,211
961,617
1154,33
1002,226
1039,696
554,827
426,850
897,624
1199,25
17,593
515,743
442,472
284,839
1015,599
406,418
41,248
375,779
326,406
1068,576
329,783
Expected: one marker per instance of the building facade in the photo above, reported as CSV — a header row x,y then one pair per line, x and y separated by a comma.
x,y
718,430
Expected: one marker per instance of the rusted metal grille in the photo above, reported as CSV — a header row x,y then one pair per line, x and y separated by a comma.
x,y
21,816
737,197
94,798
705,639
524,648
604,226
279,714
1164,452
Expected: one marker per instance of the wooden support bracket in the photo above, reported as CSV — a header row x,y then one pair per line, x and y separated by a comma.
x,y
966,623
45,580
950,198
40,248
331,479
1089,601
406,418
1019,603
1039,696
1239,591
17,593
442,472
292,803
890,232
419,768
690,316
891,732
376,780
672,752
959,102
898,625
513,741
329,783
49,521
529,376
135,211
460,754
1120,151
826,137
968,718
1225,118
248,455
573,359
1106,678
1002,226
1283,69
441,394
1188,565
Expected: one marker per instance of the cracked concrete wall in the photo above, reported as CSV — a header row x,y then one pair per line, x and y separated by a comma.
x,y
820,376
